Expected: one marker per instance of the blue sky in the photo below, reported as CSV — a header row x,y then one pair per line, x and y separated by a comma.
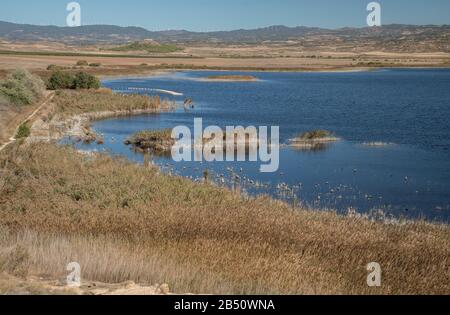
x,y
207,15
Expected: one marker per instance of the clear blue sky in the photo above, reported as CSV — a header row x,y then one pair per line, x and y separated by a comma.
x,y
206,15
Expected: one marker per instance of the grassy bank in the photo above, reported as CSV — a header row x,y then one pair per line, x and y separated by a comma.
x,y
70,103
122,222
18,92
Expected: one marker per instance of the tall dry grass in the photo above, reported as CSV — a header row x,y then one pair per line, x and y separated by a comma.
x,y
70,103
126,222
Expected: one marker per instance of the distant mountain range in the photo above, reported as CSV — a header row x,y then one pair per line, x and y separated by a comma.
x,y
431,37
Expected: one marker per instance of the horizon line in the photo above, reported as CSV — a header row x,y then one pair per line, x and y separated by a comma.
x,y
230,30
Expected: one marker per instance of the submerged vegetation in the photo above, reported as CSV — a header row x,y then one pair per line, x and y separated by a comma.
x,y
58,206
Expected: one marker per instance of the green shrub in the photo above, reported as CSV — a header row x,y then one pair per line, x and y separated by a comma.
x,y
54,68
81,80
82,63
60,80
23,132
95,64
85,80
31,82
16,93
21,88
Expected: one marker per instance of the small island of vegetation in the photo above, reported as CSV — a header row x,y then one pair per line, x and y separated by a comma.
x,y
313,139
232,78
159,141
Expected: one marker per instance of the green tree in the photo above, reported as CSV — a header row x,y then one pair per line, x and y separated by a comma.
x,y
85,80
60,80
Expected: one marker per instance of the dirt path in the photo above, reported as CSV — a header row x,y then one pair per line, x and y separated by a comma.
x,y
33,285
12,139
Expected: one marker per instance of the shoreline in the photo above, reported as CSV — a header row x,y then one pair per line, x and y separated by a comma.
x,y
80,127
154,214
162,72
151,73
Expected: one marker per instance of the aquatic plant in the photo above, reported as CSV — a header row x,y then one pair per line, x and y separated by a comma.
x,y
75,102
155,140
314,135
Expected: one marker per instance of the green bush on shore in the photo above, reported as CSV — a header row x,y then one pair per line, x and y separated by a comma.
x,y
21,88
23,131
81,80
60,80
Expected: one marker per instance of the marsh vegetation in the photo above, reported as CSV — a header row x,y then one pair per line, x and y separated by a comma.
x,y
314,140
123,222
159,141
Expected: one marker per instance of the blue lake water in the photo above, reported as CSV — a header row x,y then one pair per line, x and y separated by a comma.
x,y
409,109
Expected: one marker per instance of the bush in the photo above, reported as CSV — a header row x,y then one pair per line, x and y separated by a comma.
x,y
23,132
16,93
60,80
31,82
82,63
82,80
95,64
21,88
85,80
54,68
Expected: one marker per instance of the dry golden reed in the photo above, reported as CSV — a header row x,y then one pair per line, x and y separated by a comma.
x,y
128,222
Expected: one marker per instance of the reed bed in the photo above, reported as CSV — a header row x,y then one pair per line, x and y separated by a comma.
x,y
122,222
70,103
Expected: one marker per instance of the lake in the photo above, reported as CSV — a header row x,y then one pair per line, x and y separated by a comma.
x,y
408,110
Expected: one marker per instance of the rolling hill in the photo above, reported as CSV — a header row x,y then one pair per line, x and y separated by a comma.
x,y
393,37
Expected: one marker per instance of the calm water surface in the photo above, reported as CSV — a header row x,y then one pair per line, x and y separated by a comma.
x,y
407,109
